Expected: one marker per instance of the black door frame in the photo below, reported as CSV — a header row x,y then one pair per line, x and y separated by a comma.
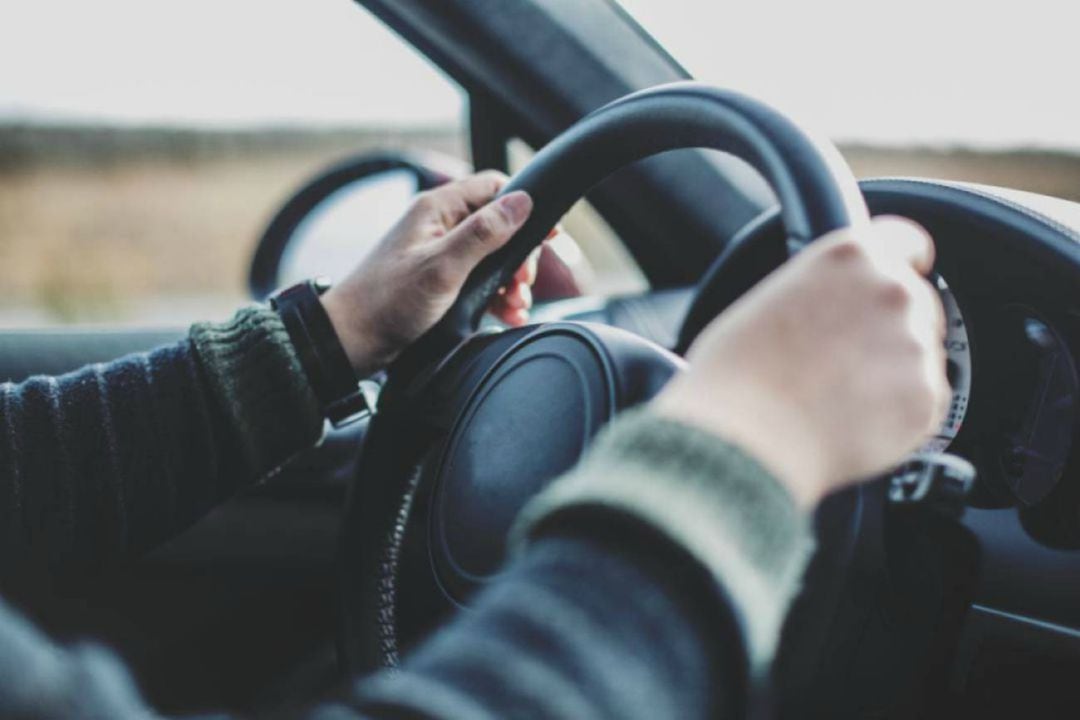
x,y
533,67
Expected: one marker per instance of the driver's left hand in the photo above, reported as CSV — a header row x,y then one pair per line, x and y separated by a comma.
x,y
415,273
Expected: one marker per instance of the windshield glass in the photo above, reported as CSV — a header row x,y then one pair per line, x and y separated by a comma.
x,y
921,72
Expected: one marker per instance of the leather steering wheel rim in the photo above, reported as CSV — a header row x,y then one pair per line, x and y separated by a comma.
x,y
817,192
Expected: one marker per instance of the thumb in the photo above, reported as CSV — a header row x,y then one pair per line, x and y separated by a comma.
x,y
488,229
905,241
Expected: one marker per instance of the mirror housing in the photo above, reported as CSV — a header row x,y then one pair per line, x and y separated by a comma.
x,y
309,230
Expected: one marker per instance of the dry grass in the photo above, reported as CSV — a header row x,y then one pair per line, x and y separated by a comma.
x,y
96,232
160,226
1046,172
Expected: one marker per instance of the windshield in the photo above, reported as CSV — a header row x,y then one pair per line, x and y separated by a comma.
x,y
920,72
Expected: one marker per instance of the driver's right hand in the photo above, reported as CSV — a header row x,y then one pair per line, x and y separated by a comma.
x,y
831,369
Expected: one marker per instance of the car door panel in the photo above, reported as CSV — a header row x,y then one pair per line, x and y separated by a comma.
x,y
55,351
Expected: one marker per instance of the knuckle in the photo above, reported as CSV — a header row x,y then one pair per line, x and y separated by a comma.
x,y
482,227
454,209
494,178
846,249
425,201
904,226
895,295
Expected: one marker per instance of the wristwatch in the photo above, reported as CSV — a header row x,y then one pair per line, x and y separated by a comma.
x,y
341,396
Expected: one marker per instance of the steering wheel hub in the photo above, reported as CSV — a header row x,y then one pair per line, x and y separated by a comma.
x,y
528,421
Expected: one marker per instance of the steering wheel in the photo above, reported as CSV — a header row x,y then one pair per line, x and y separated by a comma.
x,y
472,424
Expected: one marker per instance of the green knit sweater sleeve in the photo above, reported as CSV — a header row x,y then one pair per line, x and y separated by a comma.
x,y
113,459
708,497
254,371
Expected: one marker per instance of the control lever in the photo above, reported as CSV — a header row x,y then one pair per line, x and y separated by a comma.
x,y
913,576
934,480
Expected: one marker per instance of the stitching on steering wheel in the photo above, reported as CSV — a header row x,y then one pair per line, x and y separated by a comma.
x,y
389,563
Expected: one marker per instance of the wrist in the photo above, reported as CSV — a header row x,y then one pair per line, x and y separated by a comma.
x,y
318,346
761,424
355,332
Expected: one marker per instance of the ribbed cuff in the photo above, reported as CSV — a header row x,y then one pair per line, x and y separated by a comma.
x,y
707,496
253,368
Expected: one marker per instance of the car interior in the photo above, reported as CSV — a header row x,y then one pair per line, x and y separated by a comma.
x,y
941,597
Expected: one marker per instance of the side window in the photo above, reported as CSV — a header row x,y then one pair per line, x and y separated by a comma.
x,y
135,182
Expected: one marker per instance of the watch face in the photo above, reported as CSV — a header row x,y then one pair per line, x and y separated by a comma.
x,y
286,297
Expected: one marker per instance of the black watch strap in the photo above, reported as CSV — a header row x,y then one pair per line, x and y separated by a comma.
x,y
321,355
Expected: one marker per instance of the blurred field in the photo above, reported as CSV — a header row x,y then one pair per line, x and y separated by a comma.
x,y
1040,171
149,226
159,225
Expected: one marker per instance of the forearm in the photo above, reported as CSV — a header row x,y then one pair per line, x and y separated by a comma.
x,y
608,610
704,495
652,581
115,458
577,628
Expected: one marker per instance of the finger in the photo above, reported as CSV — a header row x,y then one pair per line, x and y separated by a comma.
x,y
487,229
945,395
498,307
940,321
518,296
512,317
515,296
479,189
527,272
453,202
905,240
512,303
924,311
942,390
476,190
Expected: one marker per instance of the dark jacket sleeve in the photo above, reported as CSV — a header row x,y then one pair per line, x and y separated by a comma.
x,y
115,458
579,628
585,625
620,603
651,581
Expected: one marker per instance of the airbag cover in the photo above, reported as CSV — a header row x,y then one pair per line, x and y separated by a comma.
x,y
527,421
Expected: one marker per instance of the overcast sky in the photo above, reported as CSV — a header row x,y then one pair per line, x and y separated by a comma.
x,y
989,72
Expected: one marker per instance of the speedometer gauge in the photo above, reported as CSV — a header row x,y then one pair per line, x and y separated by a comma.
x,y
958,368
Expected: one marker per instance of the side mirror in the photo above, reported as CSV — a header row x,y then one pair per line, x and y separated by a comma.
x,y
335,218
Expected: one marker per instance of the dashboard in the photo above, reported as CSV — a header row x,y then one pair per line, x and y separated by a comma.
x,y
1008,271
1008,277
